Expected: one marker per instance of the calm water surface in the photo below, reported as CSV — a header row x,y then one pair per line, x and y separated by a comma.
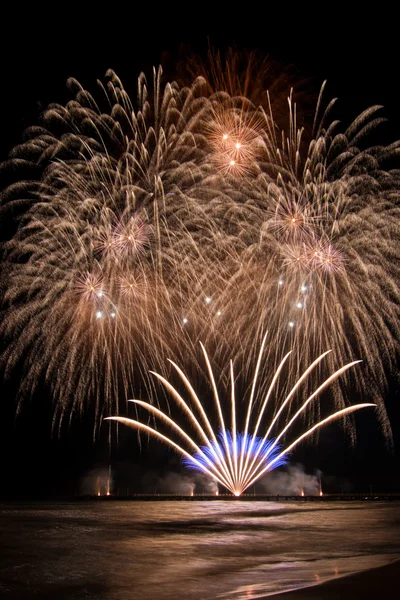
x,y
190,550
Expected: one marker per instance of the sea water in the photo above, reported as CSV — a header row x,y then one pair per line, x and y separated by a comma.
x,y
166,550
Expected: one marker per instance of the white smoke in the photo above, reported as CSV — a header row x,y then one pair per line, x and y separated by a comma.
x,y
291,482
185,485
97,482
174,483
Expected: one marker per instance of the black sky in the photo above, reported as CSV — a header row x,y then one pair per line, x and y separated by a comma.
x,y
358,55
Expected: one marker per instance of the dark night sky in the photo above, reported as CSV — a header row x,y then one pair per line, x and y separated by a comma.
x,y
358,56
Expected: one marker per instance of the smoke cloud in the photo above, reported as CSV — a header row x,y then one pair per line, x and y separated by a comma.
x,y
98,482
185,485
293,481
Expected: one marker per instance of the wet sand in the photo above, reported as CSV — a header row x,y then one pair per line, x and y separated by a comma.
x,y
382,582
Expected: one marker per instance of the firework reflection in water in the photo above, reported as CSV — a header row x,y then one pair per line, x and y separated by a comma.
x,y
237,459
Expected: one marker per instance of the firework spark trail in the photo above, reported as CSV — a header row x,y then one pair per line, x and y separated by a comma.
x,y
138,239
239,459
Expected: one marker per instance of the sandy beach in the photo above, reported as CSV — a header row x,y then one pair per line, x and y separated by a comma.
x,y
365,585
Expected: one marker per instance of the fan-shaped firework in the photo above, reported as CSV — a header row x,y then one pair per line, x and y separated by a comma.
x,y
148,227
236,459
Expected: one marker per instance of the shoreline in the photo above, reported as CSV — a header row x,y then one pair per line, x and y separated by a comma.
x,y
393,497
221,497
362,585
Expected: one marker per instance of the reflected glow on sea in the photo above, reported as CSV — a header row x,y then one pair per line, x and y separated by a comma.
x,y
239,550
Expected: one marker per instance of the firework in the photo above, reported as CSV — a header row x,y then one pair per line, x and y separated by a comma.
x,y
152,226
237,458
